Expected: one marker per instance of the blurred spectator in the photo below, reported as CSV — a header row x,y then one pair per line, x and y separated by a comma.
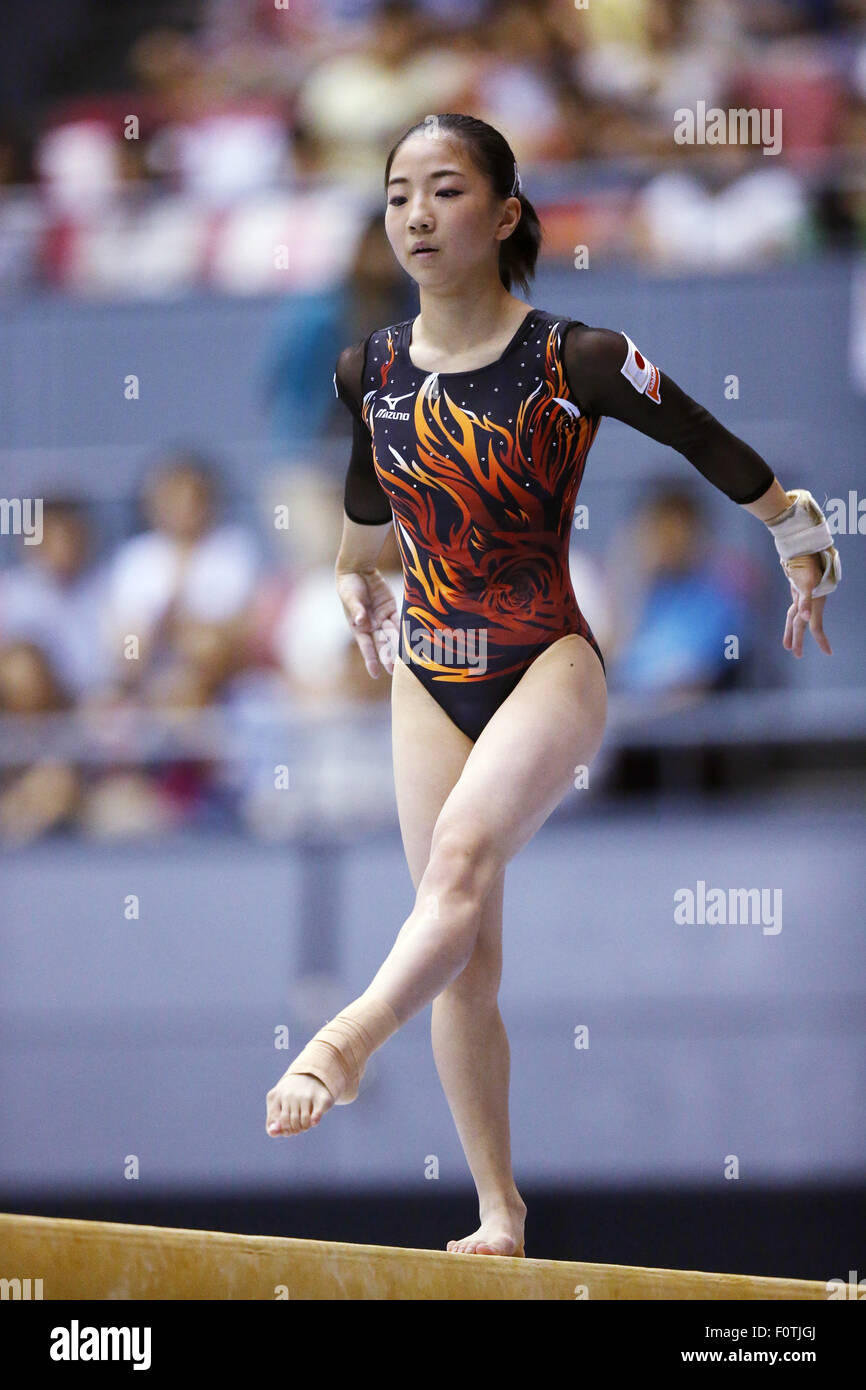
x,y
801,76
676,603
592,593
127,803
108,230
377,290
43,796
308,331
757,214
228,153
22,217
79,164
262,48
188,590
311,637
302,628
513,89
657,55
356,104
188,569
55,597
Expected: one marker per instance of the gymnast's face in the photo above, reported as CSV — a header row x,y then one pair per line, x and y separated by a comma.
x,y
436,194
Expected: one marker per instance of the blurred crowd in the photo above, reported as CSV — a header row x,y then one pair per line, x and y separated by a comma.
x,y
240,144
173,678
179,673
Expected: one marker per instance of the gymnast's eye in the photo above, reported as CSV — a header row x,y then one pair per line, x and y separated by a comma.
x,y
398,197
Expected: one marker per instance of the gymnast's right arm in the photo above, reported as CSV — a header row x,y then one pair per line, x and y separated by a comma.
x,y
368,600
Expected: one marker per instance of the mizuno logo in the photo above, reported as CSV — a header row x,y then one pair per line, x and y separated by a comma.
x,y
391,401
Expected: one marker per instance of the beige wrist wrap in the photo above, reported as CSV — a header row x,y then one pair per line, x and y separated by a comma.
x,y
799,530
338,1053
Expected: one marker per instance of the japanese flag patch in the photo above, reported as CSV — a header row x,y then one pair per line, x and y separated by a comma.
x,y
643,376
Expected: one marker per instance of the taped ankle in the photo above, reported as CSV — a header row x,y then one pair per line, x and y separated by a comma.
x,y
339,1052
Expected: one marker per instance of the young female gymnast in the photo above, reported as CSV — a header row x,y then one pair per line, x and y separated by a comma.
x,y
472,424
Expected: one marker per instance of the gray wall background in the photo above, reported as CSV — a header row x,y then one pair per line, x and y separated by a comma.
x,y
155,1037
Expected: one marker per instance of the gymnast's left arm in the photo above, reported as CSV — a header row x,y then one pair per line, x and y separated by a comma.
x,y
608,375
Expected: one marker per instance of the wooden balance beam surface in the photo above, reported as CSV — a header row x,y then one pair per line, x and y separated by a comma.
x,y
112,1260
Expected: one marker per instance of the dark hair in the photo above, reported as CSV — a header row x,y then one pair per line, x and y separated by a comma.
x,y
179,457
676,498
493,155
65,506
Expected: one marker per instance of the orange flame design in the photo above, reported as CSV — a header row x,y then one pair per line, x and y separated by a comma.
x,y
484,515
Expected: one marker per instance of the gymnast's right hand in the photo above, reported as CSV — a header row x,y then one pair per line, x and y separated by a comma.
x,y
371,612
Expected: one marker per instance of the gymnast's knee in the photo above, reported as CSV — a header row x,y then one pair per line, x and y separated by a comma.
x,y
463,864
477,985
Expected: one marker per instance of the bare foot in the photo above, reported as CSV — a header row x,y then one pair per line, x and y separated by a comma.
x,y
297,1102
500,1233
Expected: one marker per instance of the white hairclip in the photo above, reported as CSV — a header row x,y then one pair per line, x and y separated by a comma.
x,y
518,184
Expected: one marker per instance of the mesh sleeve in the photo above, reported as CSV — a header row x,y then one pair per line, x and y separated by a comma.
x,y
594,358
364,500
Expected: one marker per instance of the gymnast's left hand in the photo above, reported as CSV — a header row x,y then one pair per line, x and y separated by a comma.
x,y
371,612
805,611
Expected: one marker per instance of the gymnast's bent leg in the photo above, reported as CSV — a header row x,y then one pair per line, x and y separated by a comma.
x,y
514,776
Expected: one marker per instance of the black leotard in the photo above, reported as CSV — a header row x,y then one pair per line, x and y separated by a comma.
x,y
480,471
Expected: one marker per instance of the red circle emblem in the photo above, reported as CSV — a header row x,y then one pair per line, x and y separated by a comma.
x,y
638,359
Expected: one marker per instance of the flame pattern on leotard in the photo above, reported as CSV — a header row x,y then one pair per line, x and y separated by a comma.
x,y
483,514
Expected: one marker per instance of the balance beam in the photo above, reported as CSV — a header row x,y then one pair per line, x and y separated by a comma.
x,y
113,1260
